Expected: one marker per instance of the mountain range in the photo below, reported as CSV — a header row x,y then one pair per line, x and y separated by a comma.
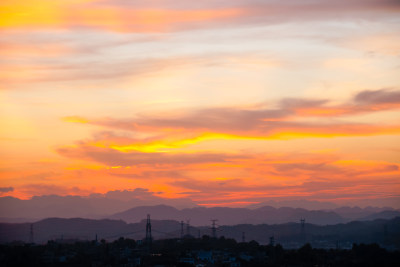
x,y
14,210
230,216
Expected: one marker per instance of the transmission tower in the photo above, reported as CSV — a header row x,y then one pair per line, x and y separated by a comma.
x,y
31,234
214,228
243,237
148,232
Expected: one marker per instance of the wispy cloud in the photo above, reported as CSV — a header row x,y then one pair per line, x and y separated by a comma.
x,y
256,123
6,189
39,189
219,101
112,157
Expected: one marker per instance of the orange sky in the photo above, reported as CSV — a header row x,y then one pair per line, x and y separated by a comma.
x,y
222,102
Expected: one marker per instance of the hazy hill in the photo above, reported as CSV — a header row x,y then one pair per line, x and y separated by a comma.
x,y
377,231
58,206
95,206
300,203
353,213
386,214
82,229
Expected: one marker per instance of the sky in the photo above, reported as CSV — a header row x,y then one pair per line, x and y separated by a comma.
x,y
223,103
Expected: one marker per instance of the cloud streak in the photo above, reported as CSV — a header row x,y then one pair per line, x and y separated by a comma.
x,y
112,157
6,189
219,101
258,123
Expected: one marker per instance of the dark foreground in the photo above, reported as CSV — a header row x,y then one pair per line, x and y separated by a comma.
x,y
189,252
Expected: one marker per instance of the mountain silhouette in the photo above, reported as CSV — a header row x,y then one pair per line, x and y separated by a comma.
x,y
229,216
121,205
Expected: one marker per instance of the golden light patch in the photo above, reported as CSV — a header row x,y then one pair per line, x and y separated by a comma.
x,y
221,178
84,167
167,145
116,167
23,13
75,119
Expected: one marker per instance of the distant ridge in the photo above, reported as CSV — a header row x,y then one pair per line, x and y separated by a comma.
x,y
230,216
93,207
386,214
113,206
302,203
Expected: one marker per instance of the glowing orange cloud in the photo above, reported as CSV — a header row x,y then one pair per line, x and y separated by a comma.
x,y
62,13
145,20
278,134
264,123
210,179
112,16
344,110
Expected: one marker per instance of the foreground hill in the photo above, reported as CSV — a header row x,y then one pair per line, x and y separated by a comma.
x,y
386,232
81,229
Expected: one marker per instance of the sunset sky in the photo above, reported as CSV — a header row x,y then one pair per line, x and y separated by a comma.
x,y
224,102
